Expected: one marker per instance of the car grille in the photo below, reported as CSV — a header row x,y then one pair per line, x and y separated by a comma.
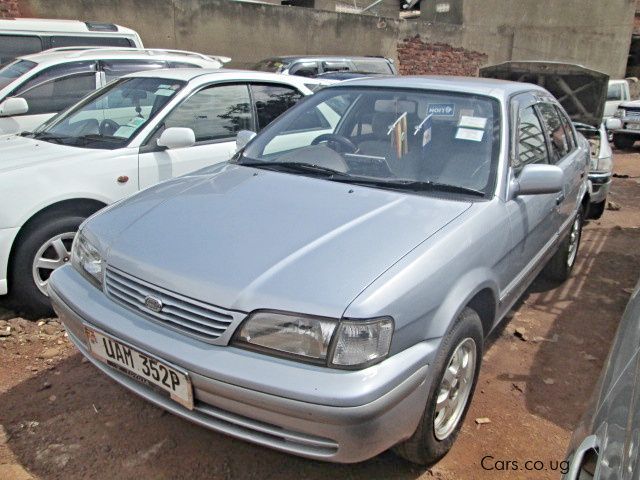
x,y
633,113
181,312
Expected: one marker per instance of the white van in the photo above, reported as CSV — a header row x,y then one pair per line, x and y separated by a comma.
x,y
22,36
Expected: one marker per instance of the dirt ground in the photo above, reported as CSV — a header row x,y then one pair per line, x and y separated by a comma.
x,y
61,419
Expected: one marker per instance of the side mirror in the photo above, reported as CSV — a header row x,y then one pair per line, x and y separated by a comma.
x,y
244,137
177,137
613,124
536,179
13,106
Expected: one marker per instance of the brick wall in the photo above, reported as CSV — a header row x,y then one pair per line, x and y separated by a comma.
x,y
416,57
9,8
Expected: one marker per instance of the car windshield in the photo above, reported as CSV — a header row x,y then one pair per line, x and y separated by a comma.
x,y
110,117
14,70
269,65
412,140
614,92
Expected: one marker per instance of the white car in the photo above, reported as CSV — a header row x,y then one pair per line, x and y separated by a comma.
x,y
135,132
23,36
617,92
35,87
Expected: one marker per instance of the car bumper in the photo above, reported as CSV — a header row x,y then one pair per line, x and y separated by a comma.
x,y
365,413
7,235
599,186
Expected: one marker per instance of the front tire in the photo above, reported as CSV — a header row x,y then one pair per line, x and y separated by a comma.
x,y
44,247
456,371
560,266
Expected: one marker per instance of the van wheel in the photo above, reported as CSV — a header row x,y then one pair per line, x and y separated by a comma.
x,y
456,371
560,266
43,248
623,142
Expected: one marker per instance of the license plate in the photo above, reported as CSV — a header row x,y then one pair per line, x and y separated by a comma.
x,y
141,367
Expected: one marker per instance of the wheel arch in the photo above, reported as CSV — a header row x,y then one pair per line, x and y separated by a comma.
x,y
79,206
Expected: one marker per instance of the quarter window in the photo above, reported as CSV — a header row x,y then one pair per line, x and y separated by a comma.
x,y
304,69
214,113
555,131
56,95
532,146
270,101
571,140
12,46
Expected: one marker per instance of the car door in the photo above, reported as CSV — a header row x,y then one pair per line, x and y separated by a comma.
x,y
215,113
531,217
564,152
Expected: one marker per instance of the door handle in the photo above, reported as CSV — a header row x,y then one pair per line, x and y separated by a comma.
x,y
560,199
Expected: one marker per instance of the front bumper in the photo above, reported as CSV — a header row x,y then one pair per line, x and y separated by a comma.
x,y
315,412
599,186
7,236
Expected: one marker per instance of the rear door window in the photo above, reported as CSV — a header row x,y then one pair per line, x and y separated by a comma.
x,y
117,68
270,101
12,46
89,41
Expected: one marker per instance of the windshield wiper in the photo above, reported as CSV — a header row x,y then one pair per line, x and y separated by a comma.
x,y
49,137
297,167
414,185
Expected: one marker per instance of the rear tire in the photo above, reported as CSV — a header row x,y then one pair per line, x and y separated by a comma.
x,y
560,266
437,431
622,141
49,240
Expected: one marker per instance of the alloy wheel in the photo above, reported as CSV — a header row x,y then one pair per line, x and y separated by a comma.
x,y
53,254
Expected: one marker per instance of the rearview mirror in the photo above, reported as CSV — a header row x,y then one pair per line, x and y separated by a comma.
x,y
613,124
244,137
13,106
536,179
177,137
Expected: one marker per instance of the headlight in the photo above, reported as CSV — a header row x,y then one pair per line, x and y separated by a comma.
x,y
321,340
620,113
87,260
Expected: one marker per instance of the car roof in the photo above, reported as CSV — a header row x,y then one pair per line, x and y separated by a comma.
x,y
61,26
204,75
57,56
476,85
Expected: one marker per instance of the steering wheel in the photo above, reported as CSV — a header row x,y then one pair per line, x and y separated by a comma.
x,y
347,145
108,127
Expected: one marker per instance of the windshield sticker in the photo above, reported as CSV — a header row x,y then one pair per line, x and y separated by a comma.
x,y
124,131
472,122
135,122
442,109
164,92
469,134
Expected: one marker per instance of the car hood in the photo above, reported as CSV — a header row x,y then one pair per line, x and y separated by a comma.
x,y
243,238
630,104
18,152
581,92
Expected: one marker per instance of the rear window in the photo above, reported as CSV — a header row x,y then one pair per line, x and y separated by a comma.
x,y
373,66
14,70
269,65
89,41
12,46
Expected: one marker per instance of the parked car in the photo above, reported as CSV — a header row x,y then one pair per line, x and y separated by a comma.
x,y
133,133
582,93
605,443
625,125
328,291
35,87
617,92
314,65
23,36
